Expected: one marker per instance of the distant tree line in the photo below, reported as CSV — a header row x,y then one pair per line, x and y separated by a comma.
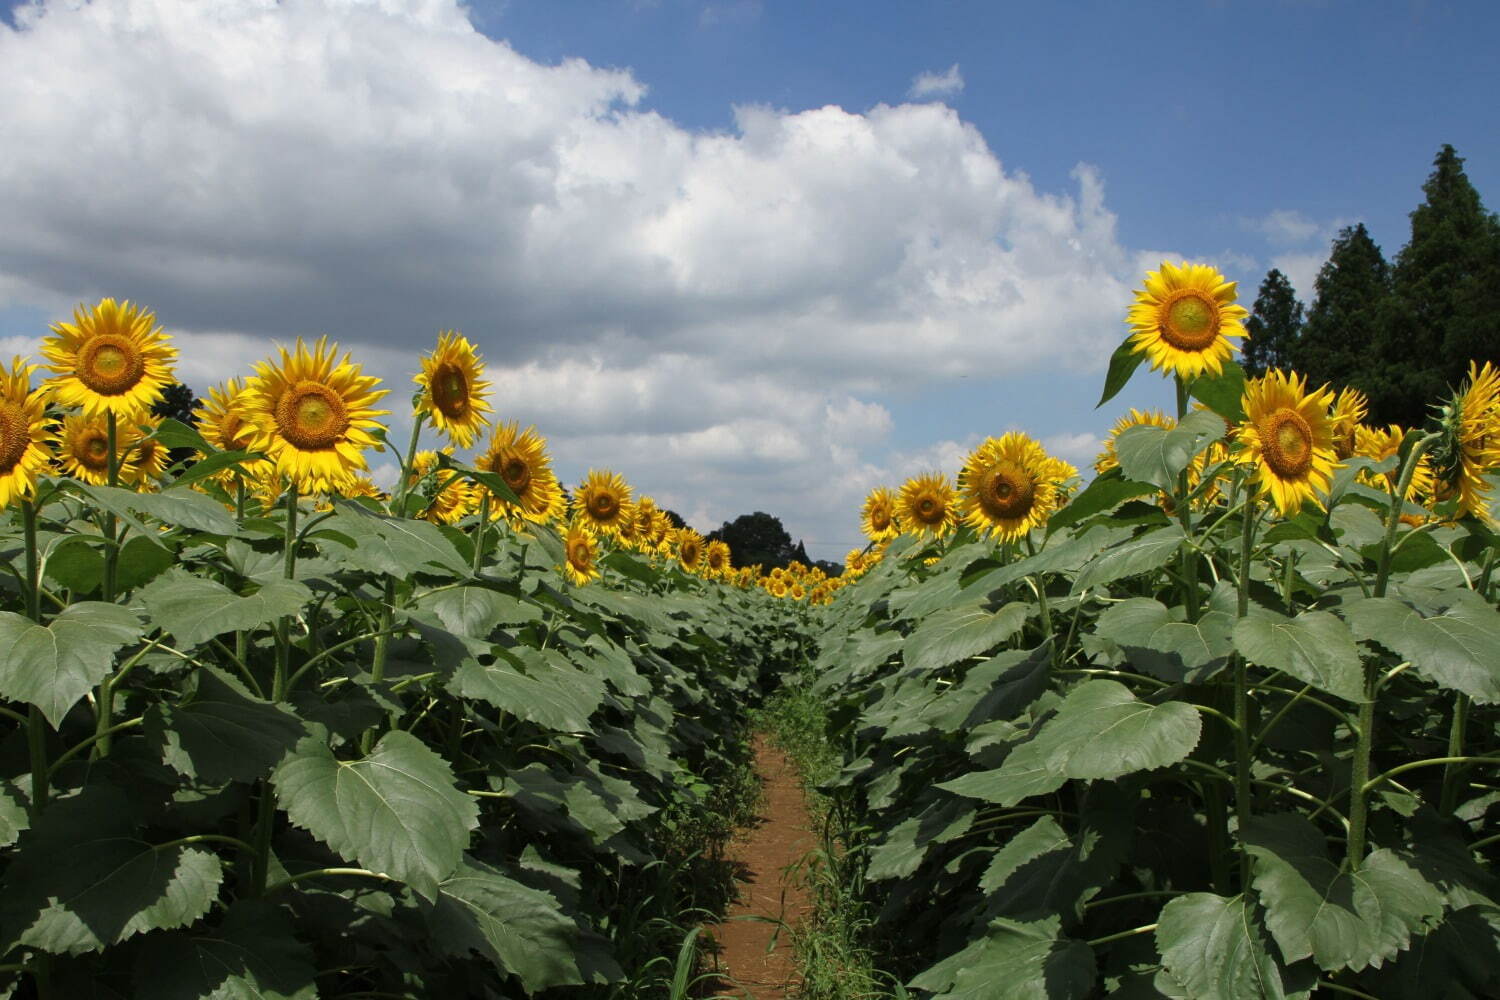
x,y
1400,332
759,538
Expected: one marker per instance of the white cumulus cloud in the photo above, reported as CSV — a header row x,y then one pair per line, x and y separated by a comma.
x,y
944,84
719,313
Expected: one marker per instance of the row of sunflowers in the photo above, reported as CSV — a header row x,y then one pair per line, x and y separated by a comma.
x,y
1223,722
305,423
1292,436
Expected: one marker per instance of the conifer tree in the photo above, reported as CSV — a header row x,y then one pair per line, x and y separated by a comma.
x,y
1338,339
1273,326
1444,305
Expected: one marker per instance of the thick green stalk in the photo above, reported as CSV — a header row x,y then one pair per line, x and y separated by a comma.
x,y
484,518
266,810
106,695
1360,771
1451,772
1185,518
36,734
1242,794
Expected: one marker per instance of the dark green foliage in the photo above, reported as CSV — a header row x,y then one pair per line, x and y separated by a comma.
x,y
1444,309
1343,323
178,402
759,539
1273,327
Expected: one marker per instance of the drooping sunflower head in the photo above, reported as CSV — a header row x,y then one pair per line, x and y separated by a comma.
x,y
24,447
645,528
1010,485
925,505
220,421
453,390
1287,435
1470,446
520,459
148,458
449,496
1350,408
582,550
877,518
1108,458
1184,318
313,415
689,549
83,449
112,358
716,558
604,501
1380,443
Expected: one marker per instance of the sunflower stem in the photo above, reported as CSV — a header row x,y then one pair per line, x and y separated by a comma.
x,y
36,735
1360,772
484,520
106,696
1456,732
1185,518
403,488
266,807
382,646
1242,794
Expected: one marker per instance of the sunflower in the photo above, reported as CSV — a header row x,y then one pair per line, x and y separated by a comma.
x,y
83,448
689,549
779,587
24,447
1349,411
520,459
925,506
1288,436
877,518
1183,319
148,458
222,425
452,389
1010,485
1108,459
646,521
112,358
604,501
449,496
1471,441
1380,443
717,558
582,554
312,415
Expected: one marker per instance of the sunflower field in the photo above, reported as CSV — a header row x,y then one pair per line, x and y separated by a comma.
x,y
266,731
1220,723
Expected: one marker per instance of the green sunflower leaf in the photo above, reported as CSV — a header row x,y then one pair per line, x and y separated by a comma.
x,y
252,955
958,633
397,812
1215,949
1315,647
52,666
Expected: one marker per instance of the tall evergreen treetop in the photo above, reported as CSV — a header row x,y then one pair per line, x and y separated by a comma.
x,y
1444,282
1274,324
1338,339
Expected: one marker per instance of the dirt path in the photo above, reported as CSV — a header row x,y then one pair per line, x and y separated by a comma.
x,y
778,839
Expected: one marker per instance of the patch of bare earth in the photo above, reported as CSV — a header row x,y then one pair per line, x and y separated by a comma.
x,y
747,963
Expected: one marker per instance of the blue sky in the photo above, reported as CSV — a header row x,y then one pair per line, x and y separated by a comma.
x,y
1237,133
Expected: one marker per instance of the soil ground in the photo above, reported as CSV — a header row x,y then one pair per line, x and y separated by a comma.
x,y
770,900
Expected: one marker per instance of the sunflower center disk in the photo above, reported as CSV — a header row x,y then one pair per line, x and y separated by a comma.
x,y
450,391
929,510
229,433
603,506
93,450
14,435
578,555
1009,492
1288,444
1190,320
311,416
110,365
516,473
